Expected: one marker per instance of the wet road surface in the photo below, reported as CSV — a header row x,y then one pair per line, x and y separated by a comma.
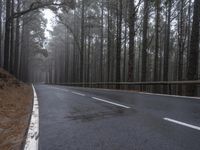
x,y
74,118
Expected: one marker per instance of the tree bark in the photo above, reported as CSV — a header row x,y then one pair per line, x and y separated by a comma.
x,y
82,40
167,44
118,53
108,41
12,39
145,40
181,47
157,26
192,73
125,42
131,40
7,38
17,43
0,33
102,39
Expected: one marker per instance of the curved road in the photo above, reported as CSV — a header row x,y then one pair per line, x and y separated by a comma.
x,y
74,118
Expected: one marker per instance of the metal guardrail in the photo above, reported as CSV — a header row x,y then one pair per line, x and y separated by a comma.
x,y
194,82
167,87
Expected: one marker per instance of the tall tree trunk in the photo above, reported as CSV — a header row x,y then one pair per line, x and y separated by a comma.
x,y
82,40
0,33
157,26
17,42
167,44
145,40
125,43
188,32
157,41
108,42
102,39
131,40
119,34
12,40
192,73
24,52
180,47
7,37
88,61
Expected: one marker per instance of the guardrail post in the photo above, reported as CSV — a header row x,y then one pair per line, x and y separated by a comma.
x,y
169,89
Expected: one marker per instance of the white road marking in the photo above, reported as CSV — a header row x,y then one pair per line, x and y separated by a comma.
x,y
120,105
61,89
166,95
78,93
182,123
33,131
154,94
146,93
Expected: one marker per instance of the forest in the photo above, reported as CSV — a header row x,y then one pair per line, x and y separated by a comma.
x,y
101,41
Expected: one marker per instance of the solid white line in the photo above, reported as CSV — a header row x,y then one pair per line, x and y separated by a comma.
x,y
182,123
165,95
61,89
78,93
33,131
120,105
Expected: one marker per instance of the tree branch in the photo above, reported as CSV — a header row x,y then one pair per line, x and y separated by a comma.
x,y
39,5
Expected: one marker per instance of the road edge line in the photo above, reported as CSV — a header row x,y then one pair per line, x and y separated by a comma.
x,y
182,123
109,102
32,139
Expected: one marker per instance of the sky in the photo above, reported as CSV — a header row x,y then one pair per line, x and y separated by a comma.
x,y
50,16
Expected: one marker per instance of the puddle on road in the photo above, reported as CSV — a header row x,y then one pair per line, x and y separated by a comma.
x,y
91,116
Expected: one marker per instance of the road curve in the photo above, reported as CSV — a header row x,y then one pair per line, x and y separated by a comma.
x,y
74,118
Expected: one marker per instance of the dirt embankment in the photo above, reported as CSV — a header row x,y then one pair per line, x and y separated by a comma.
x,y
15,110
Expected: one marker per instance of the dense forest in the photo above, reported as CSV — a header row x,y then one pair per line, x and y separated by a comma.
x,y
101,40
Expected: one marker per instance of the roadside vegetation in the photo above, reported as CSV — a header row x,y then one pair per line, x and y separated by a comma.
x,y
15,110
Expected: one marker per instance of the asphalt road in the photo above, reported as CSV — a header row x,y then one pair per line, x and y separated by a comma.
x,y
93,119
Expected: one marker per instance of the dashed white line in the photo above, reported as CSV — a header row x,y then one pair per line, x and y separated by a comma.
x,y
182,123
61,89
102,100
33,131
78,93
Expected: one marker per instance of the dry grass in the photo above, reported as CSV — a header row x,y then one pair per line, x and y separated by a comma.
x,y
15,109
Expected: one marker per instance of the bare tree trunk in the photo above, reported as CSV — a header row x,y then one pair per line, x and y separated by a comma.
x,y
7,37
157,26
125,42
119,34
12,40
89,53
192,73
167,44
0,33
17,42
189,32
181,47
82,40
108,42
131,40
145,40
102,39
